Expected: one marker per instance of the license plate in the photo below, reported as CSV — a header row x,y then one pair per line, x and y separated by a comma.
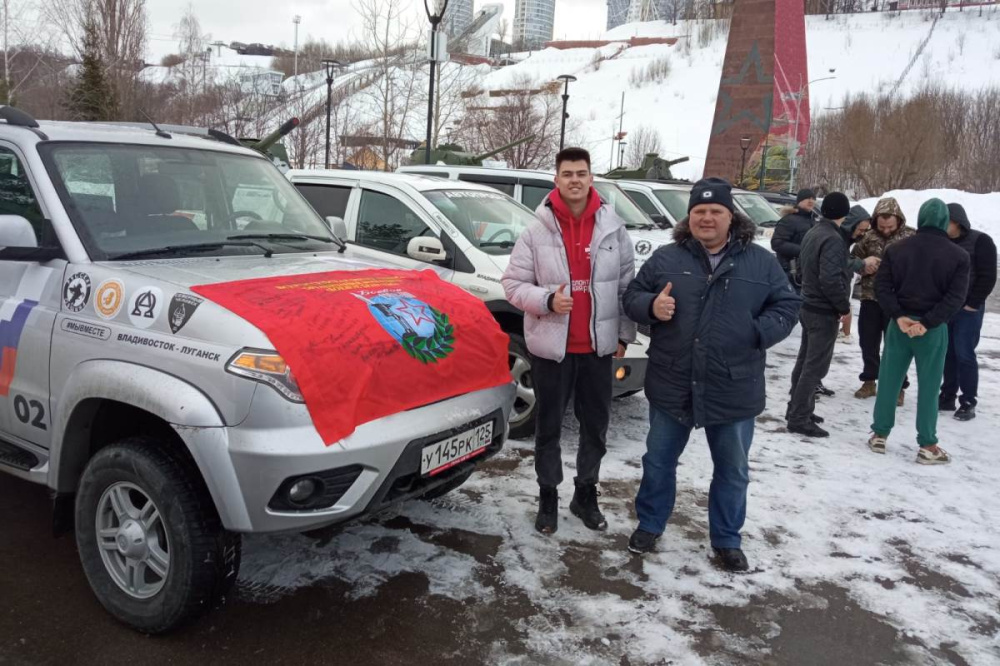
x,y
447,453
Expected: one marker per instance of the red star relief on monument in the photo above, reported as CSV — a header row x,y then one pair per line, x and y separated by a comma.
x,y
416,313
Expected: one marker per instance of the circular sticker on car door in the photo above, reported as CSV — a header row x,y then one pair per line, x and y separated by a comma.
x,y
145,306
109,298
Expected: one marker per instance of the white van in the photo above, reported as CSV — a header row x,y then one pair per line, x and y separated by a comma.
x,y
531,187
463,231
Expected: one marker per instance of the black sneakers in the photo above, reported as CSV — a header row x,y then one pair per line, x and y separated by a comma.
x,y
642,542
965,413
809,430
584,506
547,521
824,391
731,559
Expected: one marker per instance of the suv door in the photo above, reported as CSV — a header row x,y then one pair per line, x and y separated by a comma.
x,y
30,297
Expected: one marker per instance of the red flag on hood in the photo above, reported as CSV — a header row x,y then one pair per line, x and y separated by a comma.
x,y
367,344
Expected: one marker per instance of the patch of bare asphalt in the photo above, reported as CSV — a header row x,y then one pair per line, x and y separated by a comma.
x,y
584,572
926,576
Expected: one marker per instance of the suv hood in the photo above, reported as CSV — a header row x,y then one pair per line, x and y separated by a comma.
x,y
193,271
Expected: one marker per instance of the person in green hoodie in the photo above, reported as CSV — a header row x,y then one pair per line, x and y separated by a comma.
x,y
921,284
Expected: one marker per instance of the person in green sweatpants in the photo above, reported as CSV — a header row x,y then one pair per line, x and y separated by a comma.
x,y
921,284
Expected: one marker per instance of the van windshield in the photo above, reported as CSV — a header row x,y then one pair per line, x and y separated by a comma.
x,y
615,197
137,200
675,201
757,208
490,220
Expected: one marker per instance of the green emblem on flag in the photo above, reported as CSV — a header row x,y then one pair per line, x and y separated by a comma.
x,y
432,348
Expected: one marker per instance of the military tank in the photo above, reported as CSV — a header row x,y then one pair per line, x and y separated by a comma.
x,y
653,168
453,154
270,146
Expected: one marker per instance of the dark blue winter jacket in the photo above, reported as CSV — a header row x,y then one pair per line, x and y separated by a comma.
x,y
706,365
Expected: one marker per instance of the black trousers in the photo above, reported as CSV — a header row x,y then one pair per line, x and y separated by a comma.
x,y
819,335
872,322
587,379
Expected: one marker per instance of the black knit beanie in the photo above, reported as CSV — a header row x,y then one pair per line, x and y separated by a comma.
x,y
835,206
712,191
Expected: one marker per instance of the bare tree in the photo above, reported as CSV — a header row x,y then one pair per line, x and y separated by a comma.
x,y
641,142
394,97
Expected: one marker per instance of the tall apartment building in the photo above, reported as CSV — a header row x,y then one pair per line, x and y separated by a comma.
x,y
533,22
457,18
617,12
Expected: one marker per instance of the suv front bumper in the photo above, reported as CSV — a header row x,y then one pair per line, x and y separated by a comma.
x,y
379,464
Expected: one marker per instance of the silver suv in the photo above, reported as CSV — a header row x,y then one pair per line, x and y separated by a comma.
x,y
163,424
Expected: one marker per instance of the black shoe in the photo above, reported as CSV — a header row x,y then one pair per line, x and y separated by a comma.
x,y
547,521
965,413
822,390
816,419
584,507
946,404
731,559
811,430
642,542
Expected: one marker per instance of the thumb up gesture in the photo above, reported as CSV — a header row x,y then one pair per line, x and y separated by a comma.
x,y
664,305
561,303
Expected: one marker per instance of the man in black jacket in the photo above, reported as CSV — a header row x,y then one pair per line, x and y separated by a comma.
x,y
826,291
789,232
921,284
715,303
961,367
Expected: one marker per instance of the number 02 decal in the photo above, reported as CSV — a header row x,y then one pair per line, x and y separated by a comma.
x,y
30,412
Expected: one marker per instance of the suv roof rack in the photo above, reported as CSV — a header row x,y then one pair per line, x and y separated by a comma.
x,y
189,130
17,117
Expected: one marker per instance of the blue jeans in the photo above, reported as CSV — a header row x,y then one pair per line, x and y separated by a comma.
x,y
727,496
961,367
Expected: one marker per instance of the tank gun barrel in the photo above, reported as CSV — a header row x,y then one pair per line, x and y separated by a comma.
x,y
494,153
274,137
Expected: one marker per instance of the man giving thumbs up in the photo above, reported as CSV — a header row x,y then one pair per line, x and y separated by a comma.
x,y
714,302
567,273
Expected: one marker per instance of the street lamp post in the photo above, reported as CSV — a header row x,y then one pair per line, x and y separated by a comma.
x,y
434,16
744,146
567,78
331,67
621,153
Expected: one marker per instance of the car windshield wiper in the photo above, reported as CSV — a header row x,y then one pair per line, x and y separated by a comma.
x,y
503,244
291,237
193,247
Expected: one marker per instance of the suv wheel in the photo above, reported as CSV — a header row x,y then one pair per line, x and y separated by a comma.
x,y
150,540
522,416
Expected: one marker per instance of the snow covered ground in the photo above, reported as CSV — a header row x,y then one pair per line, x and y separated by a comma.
x,y
859,558
983,209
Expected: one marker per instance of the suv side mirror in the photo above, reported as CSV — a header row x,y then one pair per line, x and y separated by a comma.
x,y
337,226
426,248
16,231
661,221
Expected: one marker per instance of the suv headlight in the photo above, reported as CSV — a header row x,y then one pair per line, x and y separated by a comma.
x,y
268,368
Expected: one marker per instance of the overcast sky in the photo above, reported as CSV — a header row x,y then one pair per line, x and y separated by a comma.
x,y
270,22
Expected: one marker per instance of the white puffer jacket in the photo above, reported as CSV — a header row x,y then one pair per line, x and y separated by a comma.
x,y
539,266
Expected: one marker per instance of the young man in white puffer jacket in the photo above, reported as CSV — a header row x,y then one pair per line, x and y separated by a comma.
x,y
567,272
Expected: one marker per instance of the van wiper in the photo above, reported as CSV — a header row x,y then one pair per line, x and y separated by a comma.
x,y
291,237
193,247
503,244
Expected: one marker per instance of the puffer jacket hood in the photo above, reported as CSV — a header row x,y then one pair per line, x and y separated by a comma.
x,y
933,214
889,206
957,214
742,230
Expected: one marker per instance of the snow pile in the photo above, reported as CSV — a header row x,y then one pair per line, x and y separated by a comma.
x,y
983,209
913,550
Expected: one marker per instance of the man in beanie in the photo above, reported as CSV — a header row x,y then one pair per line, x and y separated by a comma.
x,y
567,272
921,284
961,367
890,227
789,232
826,290
715,303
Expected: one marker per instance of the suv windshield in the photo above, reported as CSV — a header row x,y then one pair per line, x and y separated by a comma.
x,y
757,208
138,200
624,206
491,221
675,201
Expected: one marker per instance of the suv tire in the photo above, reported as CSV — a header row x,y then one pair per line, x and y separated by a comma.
x,y
149,509
522,416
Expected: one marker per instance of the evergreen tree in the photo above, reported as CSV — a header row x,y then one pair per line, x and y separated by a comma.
x,y
92,96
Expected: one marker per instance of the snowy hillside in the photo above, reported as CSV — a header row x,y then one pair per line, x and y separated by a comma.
x,y
983,209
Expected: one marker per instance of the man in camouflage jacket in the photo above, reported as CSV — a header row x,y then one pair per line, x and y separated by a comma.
x,y
888,227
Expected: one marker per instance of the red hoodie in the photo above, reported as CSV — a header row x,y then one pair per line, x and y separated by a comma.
x,y
577,235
